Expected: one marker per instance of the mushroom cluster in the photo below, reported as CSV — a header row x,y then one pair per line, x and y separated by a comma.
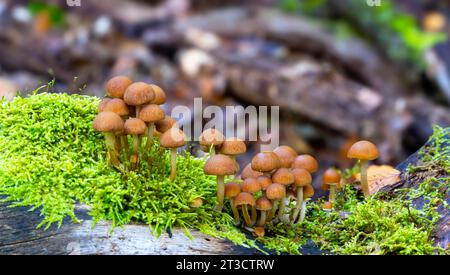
x,y
132,111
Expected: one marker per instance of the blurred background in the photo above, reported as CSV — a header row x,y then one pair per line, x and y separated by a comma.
x,y
340,70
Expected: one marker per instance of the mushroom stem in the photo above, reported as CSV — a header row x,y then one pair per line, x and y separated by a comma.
x,y
262,218
220,192
235,211
150,132
332,195
112,155
299,203
124,145
282,207
248,220
364,184
135,156
212,151
274,210
138,110
173,163
303,212
254,215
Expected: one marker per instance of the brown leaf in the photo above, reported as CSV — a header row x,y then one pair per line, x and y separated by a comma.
x,y
380,176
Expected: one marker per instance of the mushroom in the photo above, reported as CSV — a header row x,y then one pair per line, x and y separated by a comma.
x,y
248,172
138,94
251,186
264,181
364,151
160,95
151,113
286,155
233,189
102,104
302,178
220,166
265,162
116,86
327,206
259,231
285,177
119,107
263,204
165,124
110,124
173,139
331,178
242,200
135,127
275,192
308,192
211,139
196,202
232,147
306,162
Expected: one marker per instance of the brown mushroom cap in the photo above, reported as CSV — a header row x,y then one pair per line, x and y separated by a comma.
x,y
263,204
108,122
331,176
286,155
118,106
102,104
233,146
134,126
264,181
364,150
250,185
151,113
173,138
327,205
165,124
244,199
138,93
265,162
283,176
210,137
248,172
117,86
306,162
220,165
308,191
232,189
160,95
301,177
275,191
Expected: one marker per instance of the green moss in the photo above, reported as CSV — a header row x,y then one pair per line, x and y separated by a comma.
x,y
50,159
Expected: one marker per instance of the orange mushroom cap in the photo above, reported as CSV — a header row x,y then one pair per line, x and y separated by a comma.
x,y
363,150
286,155
301,177
307,162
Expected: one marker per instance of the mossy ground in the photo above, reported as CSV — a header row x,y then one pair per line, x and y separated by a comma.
x,y
50,159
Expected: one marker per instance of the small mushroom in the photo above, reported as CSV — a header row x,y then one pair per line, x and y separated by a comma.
x,y
165,124
251,186
196,202
264,205
233,189
286,155
275,192
110,124
243,200
220,166
327,206
302,179
264,181
364,151
265,162
248,172
233,147
211,139
259,231
331,177
138,94
173,139
102,104
308,192
135,127
118,106
160,95
151,113
285,177
307,162
116,86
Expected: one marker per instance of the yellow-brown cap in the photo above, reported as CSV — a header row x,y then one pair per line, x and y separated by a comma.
x,y
134,126
116,86
244,199
108,122
118,106
301,177
165,124
265,162
138,93
102,104
331,176
232,189
283,176
248,172
259,231
263,204
220,165
327,205
211,137
363,150
264,181
307,162
173,138
286,155
151,113
275,191
308,191
160,95
250,185
196,202
233,146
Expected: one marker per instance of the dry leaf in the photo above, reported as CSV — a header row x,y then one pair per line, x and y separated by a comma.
x,y
379,176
